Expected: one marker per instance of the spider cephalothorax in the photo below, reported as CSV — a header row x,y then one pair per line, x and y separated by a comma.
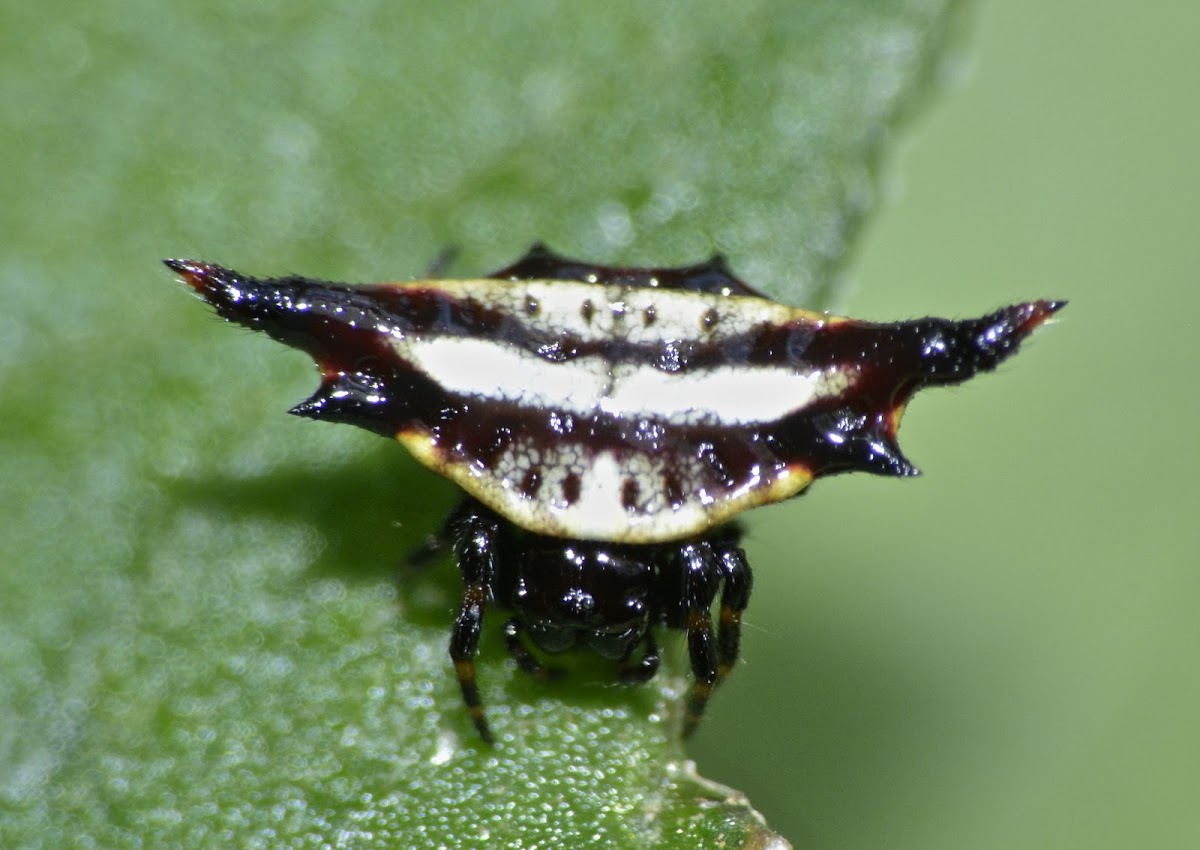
x,y
606,423
604,596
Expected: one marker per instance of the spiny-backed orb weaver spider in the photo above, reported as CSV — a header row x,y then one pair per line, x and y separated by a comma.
x,y
606,425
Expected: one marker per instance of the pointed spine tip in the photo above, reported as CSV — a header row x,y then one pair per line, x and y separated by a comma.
x,y
1034,314
233,295
323,398
886,458
309,408
215,284
193,272
954,351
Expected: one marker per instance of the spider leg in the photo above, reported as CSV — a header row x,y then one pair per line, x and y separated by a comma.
x,y
735,594
441,262
525,659
475,534
425,552
644,670
701,573
434,544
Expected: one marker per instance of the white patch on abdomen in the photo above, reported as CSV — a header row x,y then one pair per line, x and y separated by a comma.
x,y
599,511
484,369
600,495
734,395
728,394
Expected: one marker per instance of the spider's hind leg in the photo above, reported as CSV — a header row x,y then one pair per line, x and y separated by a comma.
x,y
476,535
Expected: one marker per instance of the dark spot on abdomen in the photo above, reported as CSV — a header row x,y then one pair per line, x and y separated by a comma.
x,y
672,489
489,449
630,494
716,464
571,488
531,483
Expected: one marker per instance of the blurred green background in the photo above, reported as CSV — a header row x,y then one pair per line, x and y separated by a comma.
x,y
999,654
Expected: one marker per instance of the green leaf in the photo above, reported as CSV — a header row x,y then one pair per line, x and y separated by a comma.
x,y
207,634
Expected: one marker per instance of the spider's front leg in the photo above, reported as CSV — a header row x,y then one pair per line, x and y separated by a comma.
x,y
701,573
736,580
646,668
705,564
526,660
475,534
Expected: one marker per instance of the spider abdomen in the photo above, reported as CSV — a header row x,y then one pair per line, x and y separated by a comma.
x,y
624,407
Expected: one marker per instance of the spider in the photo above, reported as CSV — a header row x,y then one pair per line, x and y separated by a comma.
x,y
607,424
